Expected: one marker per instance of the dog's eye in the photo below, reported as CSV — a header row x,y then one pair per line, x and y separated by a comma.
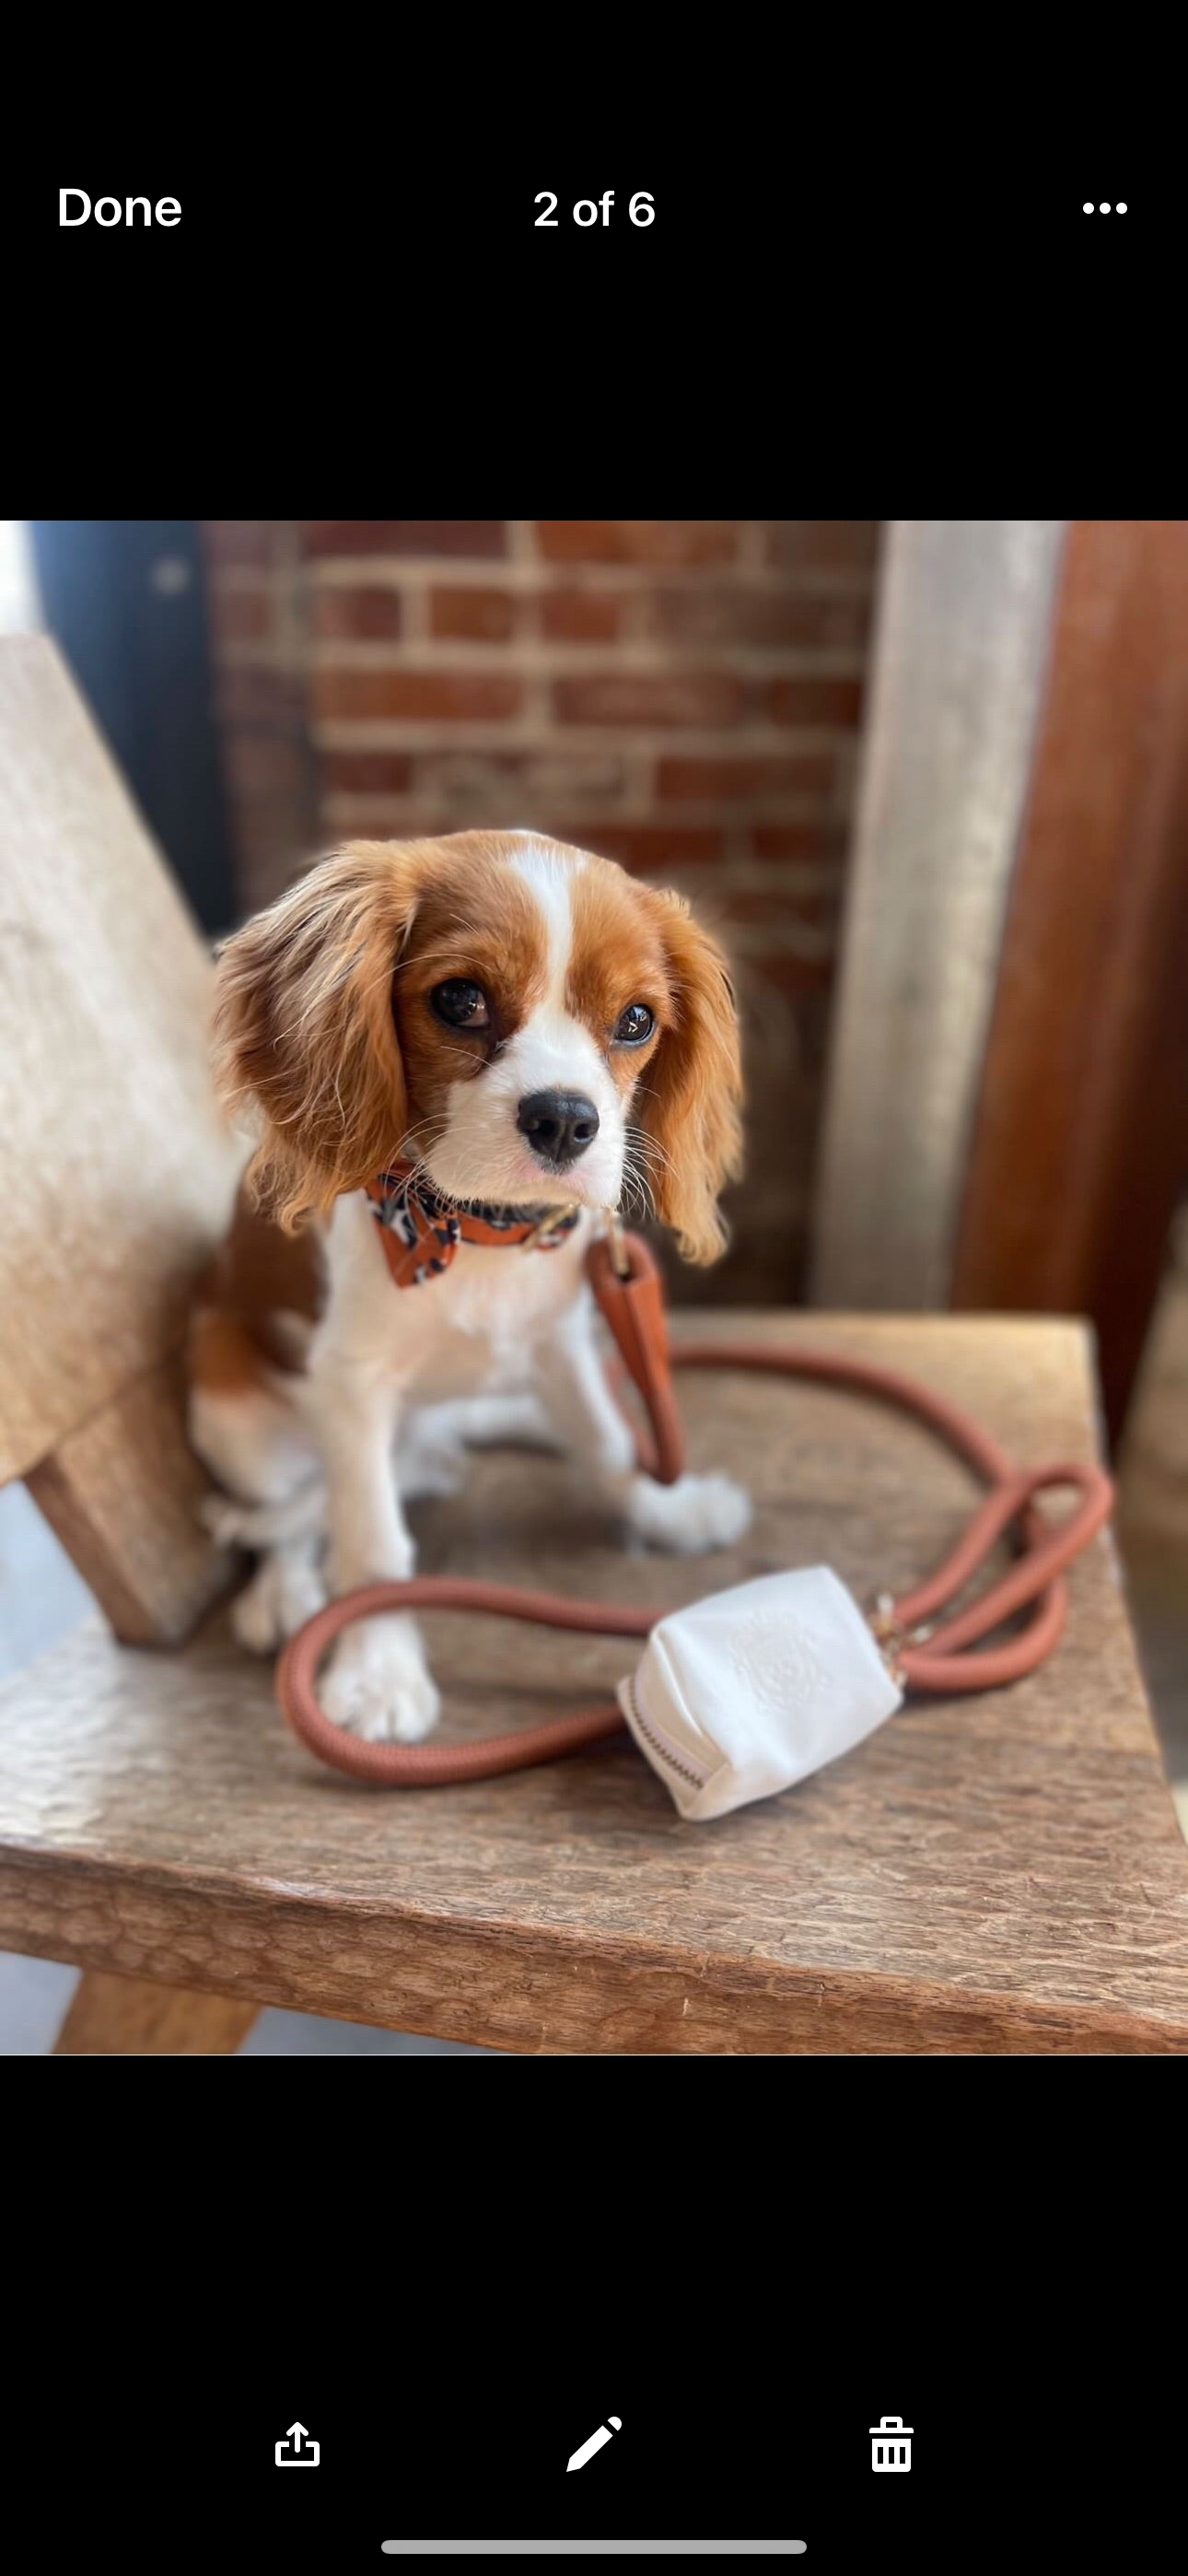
x,y
634,1025
461,1005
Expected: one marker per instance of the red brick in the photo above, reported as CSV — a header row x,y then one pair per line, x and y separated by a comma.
x,y
580,616
796,840
238,541
486,616
481,782
815,702
280,830
823,545
818,907
262,764
357,614
644,848
796,974
367,773
387,820
426,695
269,865
457,770
646,541
645,698
722,782
404,536
803,619
275,699
240,616
270,843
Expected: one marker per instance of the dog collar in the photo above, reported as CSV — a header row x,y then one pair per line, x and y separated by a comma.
x,y
421,1232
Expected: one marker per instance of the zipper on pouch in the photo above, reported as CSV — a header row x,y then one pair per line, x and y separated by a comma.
x,y
681,1761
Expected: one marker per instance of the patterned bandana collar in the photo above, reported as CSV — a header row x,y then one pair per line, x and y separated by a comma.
x,y
421,1233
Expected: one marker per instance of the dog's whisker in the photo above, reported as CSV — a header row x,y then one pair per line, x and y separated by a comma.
x,y
647,1148
637,1187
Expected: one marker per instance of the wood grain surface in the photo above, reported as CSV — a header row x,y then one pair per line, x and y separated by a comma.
x,y
118,1175
122,1494
998,1873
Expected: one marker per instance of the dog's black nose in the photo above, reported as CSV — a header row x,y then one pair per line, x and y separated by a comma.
x,y
558,1124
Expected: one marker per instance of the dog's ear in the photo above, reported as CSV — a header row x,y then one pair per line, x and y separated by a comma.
x,y
304,1028
690,1098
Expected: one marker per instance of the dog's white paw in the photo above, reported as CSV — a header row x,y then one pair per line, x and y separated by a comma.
x,y
426,1466
690,1517
224,1519
378,1684
283,1593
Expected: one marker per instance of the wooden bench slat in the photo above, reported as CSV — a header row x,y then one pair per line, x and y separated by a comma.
x,y
117,1173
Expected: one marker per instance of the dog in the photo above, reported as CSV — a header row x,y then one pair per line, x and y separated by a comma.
x,y
459,1056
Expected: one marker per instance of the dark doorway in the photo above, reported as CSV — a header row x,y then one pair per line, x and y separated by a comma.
x,y
126,601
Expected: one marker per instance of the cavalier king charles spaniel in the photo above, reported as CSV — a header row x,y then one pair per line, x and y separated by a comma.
x,y
460,1056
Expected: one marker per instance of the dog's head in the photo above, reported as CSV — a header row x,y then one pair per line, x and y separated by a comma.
x,y
524,1022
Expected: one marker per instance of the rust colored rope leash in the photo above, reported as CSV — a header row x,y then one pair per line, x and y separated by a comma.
x,y
922,1657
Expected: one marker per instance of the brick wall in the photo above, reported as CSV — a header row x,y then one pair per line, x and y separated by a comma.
x,y
683,695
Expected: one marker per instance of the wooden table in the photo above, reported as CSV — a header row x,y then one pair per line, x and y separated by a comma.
x,y
999,1873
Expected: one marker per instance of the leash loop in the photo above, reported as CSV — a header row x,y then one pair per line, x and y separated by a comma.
x,y
923,1655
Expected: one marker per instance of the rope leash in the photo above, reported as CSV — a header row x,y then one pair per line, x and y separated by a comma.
x,y
921,1656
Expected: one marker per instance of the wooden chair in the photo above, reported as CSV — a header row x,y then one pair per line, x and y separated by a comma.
x,y
1001,1874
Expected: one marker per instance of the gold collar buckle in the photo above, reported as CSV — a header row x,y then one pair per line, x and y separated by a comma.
x,y
548,1224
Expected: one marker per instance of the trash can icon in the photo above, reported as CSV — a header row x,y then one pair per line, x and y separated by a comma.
x,y
890,2444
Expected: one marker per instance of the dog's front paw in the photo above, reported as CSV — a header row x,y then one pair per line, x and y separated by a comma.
x,y
283,1593
378,1684
690,1517
223,1519
427,1466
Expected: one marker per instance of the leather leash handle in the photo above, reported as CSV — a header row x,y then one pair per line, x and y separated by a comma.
x,y
632,1304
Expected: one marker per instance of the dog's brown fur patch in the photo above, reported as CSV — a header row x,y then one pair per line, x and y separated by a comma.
x,y
475,920
617,957
259,1280
638,943
324,1021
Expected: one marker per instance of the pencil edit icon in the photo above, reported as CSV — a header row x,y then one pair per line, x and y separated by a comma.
x,y
614,2423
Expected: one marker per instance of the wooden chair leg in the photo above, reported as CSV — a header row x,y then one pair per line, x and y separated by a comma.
x,y
127,2017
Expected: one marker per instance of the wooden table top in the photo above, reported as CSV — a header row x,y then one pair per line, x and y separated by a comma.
x,y
1001,1872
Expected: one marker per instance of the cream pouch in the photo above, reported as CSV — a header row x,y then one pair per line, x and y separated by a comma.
x,y
739,1696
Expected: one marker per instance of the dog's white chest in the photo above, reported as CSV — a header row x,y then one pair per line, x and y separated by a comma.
x,y
469,1331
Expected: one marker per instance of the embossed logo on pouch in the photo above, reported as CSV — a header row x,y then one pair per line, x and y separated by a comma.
x,y
778,1660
